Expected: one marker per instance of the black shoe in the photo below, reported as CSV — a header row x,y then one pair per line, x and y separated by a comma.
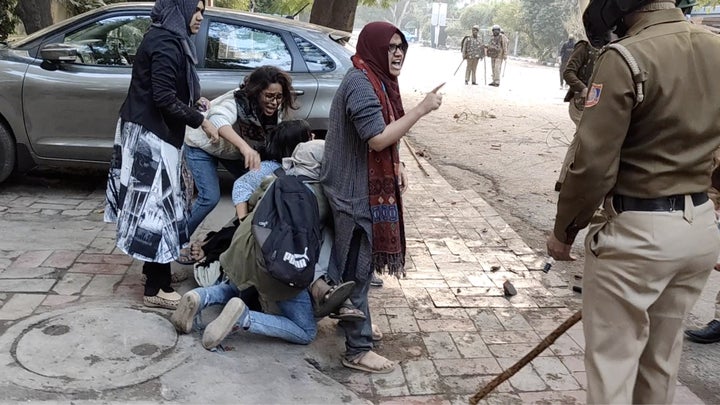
x,y
558,186
474,84
466,82
708,334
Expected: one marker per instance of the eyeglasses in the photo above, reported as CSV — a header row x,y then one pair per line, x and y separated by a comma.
x,y
392,48
273,96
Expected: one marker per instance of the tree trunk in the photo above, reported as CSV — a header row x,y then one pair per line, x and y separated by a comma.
x,y
338,14
34,14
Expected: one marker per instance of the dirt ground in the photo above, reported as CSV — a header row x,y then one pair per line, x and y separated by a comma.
x,y
508,144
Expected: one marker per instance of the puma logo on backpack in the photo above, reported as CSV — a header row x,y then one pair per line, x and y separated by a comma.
x,y
286,226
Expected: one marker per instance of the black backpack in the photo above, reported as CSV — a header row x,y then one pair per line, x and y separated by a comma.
x,y
286,226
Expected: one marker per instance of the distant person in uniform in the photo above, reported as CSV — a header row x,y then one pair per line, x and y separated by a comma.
x,y
472,50
565,50
497,51
645,147
577,74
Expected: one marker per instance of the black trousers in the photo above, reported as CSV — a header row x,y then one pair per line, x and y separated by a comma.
x,y
158,278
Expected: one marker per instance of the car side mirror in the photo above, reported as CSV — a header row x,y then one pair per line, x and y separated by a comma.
x,y
58,53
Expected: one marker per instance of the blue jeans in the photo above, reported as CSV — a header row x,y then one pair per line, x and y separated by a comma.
x,y
295,325
203,167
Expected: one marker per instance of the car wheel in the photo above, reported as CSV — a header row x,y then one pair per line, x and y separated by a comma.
x,y
7,153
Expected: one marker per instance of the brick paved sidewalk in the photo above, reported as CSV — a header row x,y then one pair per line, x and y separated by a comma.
x,y
448,322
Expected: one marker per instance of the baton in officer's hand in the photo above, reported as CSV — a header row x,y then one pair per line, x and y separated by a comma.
x,y
458,68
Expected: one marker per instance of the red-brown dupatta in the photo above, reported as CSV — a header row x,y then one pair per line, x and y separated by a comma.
x,y
388,238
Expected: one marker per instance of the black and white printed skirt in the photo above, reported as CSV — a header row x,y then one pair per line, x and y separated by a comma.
x,y
146,195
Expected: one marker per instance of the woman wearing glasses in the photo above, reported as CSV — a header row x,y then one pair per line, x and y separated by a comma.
x,y
363,178
243,117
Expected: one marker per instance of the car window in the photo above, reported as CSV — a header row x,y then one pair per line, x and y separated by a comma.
x,y
315,58
111,41
232,46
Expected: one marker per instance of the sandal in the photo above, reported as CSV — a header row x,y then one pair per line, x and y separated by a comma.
x,y
330,299
186,256
347,312
192,254
370,362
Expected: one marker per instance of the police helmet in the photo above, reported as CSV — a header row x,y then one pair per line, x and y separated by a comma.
x,y
601,17
686,5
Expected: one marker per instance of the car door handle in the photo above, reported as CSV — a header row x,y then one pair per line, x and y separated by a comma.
x,y
299,92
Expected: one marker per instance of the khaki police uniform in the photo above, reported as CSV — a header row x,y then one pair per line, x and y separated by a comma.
x,y
646,265
497,50
577,74
473,50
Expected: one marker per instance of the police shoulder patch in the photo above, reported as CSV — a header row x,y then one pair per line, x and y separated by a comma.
x,y
593,95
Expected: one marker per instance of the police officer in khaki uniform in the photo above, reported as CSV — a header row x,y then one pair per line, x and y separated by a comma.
x,y
645,145
497,50
472,50
577,73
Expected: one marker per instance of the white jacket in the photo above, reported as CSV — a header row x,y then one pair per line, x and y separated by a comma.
x,y
223,111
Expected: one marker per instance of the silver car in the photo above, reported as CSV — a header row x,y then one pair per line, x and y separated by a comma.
x,y
61,88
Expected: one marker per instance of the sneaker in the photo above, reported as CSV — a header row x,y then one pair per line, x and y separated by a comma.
x,y
162,300
218,329
184,315
376,281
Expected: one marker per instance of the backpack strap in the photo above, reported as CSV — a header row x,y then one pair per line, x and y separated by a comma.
x,y
639,77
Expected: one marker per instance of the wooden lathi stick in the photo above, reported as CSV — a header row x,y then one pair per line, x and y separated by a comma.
x,y
549,339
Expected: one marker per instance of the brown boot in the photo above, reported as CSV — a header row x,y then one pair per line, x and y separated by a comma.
x,y
327,298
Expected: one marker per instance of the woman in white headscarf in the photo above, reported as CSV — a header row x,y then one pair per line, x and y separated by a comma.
x,y
146,195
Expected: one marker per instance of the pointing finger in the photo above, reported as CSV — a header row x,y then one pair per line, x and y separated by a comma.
x,y
435,90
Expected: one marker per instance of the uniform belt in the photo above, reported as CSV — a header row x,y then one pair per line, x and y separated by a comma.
x,y
670,203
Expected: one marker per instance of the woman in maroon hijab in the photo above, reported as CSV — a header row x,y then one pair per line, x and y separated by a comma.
x,y
364,178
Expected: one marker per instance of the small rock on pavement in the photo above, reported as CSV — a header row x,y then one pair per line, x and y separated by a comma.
x,y
509,289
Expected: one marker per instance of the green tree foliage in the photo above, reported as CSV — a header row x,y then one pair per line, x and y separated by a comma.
x,y
233,4
7,18
75,7
544,22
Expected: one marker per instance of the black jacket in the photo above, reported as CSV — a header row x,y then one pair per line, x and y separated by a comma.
x,y
159,95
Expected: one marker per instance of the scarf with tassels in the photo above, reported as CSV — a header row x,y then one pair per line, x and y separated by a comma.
x,y
388,228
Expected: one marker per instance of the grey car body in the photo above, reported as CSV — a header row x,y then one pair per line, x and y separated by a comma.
x,y
61,88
